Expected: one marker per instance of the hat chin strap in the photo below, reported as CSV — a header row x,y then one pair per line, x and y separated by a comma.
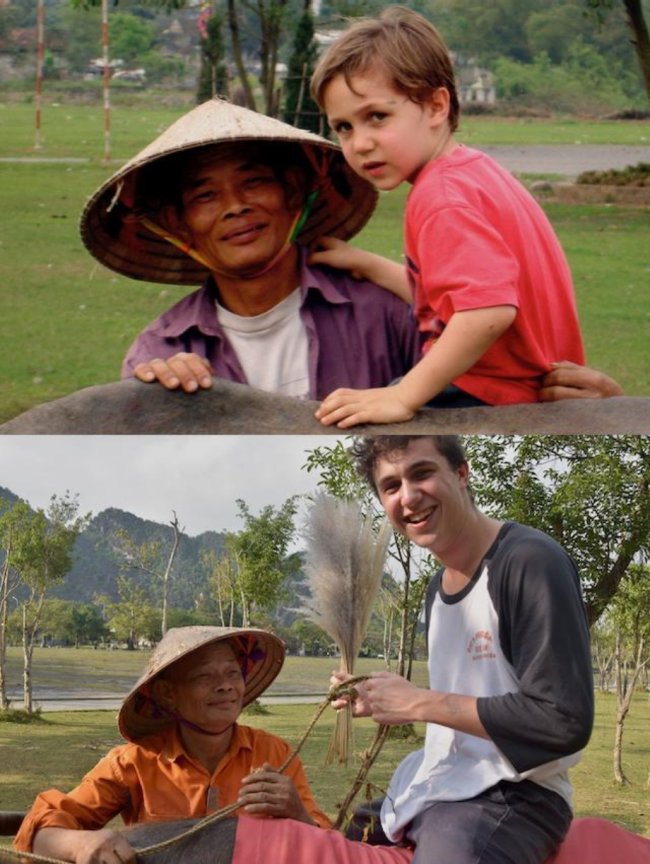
x,y
162,711
174,715
196,728
294,230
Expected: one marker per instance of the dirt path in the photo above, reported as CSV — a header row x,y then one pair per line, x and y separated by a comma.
x,y
565,160
568,161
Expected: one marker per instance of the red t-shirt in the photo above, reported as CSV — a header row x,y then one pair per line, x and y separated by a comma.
x,y
474,238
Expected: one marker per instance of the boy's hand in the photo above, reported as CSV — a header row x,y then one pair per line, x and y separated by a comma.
x,y
187,371
350,407
362,264
336,253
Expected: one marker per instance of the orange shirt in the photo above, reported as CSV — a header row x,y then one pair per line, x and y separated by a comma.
x,y
154,779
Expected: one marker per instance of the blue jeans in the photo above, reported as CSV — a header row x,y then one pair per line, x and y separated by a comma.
x,y
510,823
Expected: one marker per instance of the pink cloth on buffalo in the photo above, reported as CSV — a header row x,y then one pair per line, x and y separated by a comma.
x,y
596,841
284,841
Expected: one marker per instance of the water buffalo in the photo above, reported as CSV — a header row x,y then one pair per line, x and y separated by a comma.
x,y
284,841
130,407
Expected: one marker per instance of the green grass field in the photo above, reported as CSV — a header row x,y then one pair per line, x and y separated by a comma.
x,y
67,322
59,748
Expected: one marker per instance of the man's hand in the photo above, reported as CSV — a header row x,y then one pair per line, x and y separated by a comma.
x,y
268,792
350,407
187,371
104,846
386,697
391,698
569,381
360,704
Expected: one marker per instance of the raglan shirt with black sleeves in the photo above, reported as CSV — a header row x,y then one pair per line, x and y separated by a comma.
x,y
517,639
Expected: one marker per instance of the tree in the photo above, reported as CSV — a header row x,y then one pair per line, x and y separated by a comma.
x,y
630,615
14,523
131,37
299,108
260,551
311,640
71,623
223,584
212,75
635,18
149,558
487,30
603,650
42,557
133,617
591,493
238,55
267,20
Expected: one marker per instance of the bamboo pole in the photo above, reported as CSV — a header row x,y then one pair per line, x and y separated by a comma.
x,y
106,82
40,54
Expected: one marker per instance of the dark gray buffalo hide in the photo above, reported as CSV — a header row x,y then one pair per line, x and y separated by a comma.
x,y
131,407
212,844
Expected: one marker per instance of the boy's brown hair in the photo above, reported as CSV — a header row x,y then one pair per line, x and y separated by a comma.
x,y
404,44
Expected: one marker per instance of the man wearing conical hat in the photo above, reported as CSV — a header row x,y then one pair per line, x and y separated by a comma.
x,y
186,754
234,201
230,200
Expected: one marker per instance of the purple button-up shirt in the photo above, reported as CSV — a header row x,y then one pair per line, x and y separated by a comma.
x,y
359,335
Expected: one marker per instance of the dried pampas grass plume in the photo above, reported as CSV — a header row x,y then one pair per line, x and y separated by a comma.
x,y
344,567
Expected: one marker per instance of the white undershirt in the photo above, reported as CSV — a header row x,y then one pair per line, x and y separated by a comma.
x,y
272,347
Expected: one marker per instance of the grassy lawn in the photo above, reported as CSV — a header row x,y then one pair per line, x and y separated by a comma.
x,y
91,671
67,321
61,746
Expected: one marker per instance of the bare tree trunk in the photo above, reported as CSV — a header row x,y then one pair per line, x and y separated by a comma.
x,y
29,636
604,665
168,570
624,693
388,636
4,617
28,650
404,555
245,611
233,24
417,598
640,38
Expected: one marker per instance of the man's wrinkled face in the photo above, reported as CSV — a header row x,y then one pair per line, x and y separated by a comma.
x,y
206,688
236,211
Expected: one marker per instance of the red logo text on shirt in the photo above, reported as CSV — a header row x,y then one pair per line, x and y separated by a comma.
x,y
480,646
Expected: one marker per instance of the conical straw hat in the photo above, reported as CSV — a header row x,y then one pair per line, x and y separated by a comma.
x,y
112,232
260,652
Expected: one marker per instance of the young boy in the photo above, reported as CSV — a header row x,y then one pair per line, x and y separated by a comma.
x,y
491,287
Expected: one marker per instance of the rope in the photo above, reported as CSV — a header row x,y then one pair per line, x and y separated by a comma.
x,y
335,692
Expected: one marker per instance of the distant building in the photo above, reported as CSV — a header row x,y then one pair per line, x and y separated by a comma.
x,y
475,86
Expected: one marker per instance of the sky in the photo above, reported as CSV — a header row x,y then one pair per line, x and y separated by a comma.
x,y
199,477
